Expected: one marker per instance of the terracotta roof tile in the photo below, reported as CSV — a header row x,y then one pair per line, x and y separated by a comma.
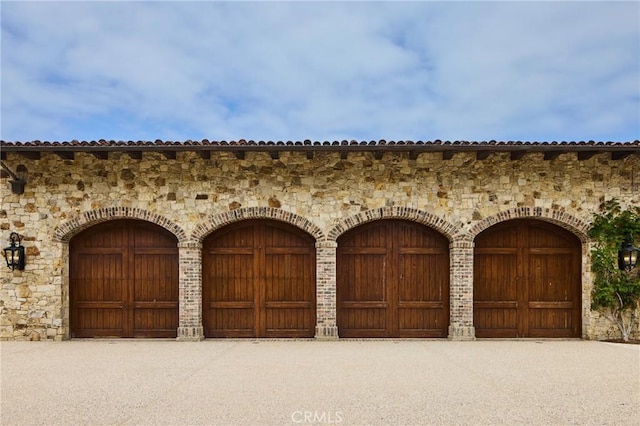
x,y
625,148
307,142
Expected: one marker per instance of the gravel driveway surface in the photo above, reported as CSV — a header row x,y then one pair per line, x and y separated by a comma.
x,y
347,382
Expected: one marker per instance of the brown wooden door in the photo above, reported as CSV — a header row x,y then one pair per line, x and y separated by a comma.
x,y
527,281
393,281
124,281
259,281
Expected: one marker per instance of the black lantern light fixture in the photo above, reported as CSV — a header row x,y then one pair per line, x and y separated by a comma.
x,y
14,254
628,255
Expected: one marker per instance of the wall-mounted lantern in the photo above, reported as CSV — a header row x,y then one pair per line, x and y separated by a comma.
x,y
14,254
628,255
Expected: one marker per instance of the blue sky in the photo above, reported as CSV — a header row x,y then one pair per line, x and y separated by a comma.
x,y
529,71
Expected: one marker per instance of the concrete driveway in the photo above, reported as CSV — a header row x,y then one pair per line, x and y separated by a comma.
x,y
348,382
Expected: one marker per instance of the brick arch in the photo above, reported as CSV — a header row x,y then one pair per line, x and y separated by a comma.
x,y
439,224
576,226
65,231
217,221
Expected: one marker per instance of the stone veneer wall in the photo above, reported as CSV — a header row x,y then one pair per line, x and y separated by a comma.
x,y
325,196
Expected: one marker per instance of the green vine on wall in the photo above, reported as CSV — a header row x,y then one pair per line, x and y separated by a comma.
x,y
616,293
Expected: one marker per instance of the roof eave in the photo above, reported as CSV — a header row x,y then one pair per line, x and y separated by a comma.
x,y
517,150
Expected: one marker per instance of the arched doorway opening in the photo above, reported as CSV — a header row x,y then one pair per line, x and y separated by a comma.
x,y
258,280
124,281
393,281
527,281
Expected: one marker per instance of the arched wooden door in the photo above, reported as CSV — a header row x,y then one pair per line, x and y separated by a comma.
x,y
124,281
259,281
527,281
393,281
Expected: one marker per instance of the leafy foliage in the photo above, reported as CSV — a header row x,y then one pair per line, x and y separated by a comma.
x,y
615,292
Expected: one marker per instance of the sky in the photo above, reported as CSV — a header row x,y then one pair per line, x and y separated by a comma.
x,y
323,71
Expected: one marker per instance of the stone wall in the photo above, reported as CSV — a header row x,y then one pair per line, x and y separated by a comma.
x,y
325,196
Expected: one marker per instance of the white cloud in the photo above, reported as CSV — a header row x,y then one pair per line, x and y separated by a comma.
x,y
293,71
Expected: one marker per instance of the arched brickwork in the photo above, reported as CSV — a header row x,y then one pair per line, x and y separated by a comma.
x,y
65,231
576,226
217,221
462,326
425,218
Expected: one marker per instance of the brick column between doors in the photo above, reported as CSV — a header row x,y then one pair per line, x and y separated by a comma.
x,y
461,302
190,323
326,327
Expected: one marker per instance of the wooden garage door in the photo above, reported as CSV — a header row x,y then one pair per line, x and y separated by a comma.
x,y
527,281
259,281
393,281
124,281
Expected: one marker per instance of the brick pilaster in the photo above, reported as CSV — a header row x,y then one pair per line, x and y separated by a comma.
x,y
461,297
190,298
326,327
